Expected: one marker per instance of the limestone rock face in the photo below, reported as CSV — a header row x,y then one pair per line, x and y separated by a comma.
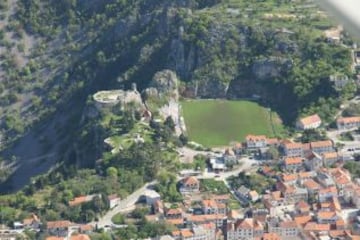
x,y
165,82
270,67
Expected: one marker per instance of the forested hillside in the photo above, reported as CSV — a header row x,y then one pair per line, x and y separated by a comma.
x,y
57,53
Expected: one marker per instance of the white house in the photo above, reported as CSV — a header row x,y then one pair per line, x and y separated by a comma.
x,y
113,200
348,123
151,196
309,122
256,141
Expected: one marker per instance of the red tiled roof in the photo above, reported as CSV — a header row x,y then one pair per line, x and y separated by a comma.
x,y
311,184
310,120
288,224
255,138
80,237
190,181
58,224
271,236
346,120
301,220
79,200
293,160
320,144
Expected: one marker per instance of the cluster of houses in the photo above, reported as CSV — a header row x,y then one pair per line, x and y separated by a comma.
x,y
307,204
58,230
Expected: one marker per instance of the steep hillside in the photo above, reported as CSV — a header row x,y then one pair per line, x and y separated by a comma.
x,y
55,54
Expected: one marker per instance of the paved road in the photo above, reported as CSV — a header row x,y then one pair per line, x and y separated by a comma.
x,y
128,204
125,205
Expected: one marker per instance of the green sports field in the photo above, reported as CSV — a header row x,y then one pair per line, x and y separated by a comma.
x,y
219,122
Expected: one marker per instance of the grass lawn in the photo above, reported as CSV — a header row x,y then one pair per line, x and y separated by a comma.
x,y
218,122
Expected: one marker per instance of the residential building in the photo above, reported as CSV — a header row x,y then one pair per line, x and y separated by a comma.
x,y
302,207
256,141
327,194
242,192
317,227
330,158
325,179
293,163
292,149
82,199
312,186
58,228
79,237
217,219
285,229
348,122
327,217
292,194
212,207
244,229
253,196
151,197
189,185
113,200
33,222
313,161
342,179
174,213
321,147
271,236
309,122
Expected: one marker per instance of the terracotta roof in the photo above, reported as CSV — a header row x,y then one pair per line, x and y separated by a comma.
x,y
276,195
80,237
55,238
209,225
301,220
255,138
288,224
293,145
186,233
78,201
58,224
337,233
303,175
328,190
340,222
253,194
320,144
306,146
288,177
272,141
310,120
175,233
326,214
335,204
209,203
176,221
293,160
312,226
346,120
303,205
190,181
311,184
330,155
86,227
174,211
271,236
206,218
